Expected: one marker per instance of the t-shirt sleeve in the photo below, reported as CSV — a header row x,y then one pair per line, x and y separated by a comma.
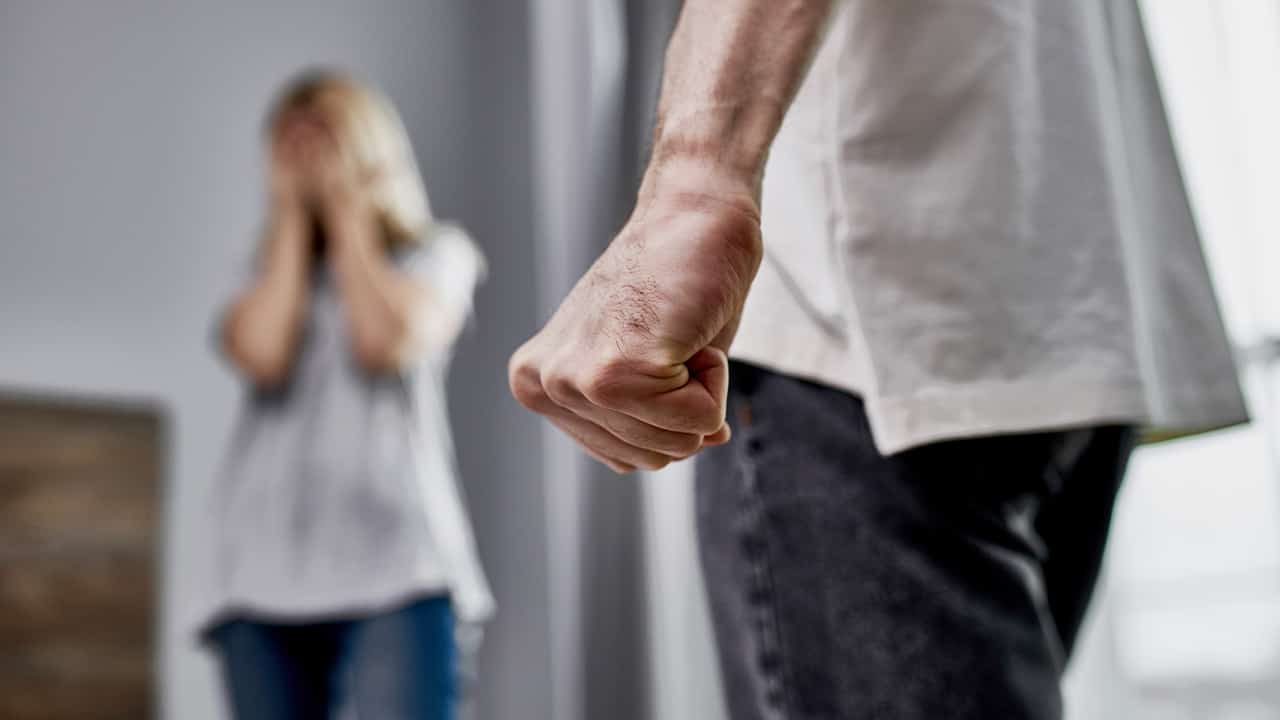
x,y
450,266
233,279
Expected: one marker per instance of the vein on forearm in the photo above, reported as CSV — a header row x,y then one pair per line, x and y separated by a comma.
x,y
732,69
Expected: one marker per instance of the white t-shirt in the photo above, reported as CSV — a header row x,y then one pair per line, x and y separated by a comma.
x,y
974,218
338,495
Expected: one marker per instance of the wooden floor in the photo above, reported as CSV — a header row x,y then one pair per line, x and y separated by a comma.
x,y
79,541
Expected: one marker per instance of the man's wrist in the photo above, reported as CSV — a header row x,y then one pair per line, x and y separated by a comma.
x,y
731,136
678,181
726,199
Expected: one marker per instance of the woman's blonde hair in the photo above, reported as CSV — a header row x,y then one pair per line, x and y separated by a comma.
x,y
368,126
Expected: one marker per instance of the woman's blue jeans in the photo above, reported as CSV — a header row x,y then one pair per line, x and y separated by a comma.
x,y
396,665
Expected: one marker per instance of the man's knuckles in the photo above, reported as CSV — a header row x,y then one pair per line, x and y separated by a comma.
x,y
604,383
525,381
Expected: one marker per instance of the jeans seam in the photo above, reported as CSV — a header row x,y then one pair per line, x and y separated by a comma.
x,y
764,621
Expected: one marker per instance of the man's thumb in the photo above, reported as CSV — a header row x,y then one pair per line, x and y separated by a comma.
x,y
710,368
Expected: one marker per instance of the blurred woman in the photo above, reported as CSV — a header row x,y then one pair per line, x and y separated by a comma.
x,y
344,551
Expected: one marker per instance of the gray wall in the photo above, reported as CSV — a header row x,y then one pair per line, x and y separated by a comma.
x,y
129,201
499,443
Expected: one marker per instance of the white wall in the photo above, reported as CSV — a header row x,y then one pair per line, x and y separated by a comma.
x,y
129,197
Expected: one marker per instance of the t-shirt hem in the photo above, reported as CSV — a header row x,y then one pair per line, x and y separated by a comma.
x,y
320,607
902,422
826,367
1070,400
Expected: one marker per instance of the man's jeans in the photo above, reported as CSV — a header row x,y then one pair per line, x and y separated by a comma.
x,y
948,581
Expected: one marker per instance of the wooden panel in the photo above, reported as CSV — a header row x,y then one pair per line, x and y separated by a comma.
x,y
51,509
79,511
60,683
98,598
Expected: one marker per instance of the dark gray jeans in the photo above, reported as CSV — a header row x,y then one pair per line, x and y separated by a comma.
x,y
948,581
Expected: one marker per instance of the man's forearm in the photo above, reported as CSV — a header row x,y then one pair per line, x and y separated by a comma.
x,y
732,69
632,364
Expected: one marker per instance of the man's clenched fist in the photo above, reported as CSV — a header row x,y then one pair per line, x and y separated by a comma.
x,y
632,365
